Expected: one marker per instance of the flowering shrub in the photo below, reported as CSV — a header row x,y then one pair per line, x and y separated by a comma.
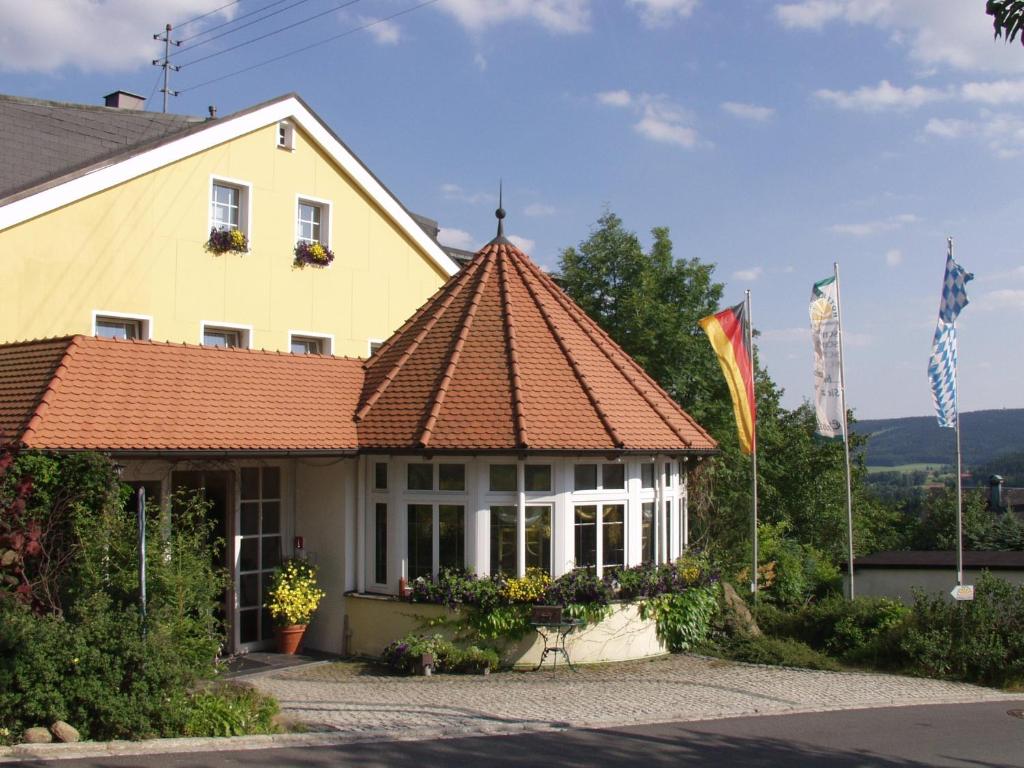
x,y
227,241
294,596
312,254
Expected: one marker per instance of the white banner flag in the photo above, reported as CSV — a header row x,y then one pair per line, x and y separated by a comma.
x,y
828,403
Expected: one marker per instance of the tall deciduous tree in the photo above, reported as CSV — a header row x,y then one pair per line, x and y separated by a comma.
x,y
1007,18
650,302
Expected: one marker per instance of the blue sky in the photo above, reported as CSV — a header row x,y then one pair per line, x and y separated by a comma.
x,y
773,138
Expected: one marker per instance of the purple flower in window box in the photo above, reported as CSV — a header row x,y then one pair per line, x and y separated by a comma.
x,y
312,254
227,241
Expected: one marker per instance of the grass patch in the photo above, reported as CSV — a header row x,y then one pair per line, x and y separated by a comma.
x,y
772,651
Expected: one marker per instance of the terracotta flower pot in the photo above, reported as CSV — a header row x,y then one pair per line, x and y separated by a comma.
x,y
288,638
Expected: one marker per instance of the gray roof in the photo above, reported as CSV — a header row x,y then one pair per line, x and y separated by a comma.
x,y
42,140
940,559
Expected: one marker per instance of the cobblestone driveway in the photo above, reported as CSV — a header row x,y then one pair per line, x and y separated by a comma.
x,y
356,698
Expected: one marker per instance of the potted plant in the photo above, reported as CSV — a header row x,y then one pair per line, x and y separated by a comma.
x,y
312,255
227,241
292,600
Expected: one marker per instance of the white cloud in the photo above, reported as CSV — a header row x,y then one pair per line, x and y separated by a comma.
x,y
561,16
1007,298
894,257
539,209
995,92
383,31
883,96
753,112
615,98
867,228
748,275
1002,133
787,334
661,13
948,128
954,33
661,119
46,35
454,192
457,238
480,60
524,244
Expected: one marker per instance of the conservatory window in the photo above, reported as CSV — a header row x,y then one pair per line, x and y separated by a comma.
x,y
647,475
421,540
538,477
586,535
538,536
503,478
421,477
613,540
504,535
380,544
451,477
647,531
451,526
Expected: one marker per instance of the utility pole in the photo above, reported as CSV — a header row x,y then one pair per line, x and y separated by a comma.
x,y
165,63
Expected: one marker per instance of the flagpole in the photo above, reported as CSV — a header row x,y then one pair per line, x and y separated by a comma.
x,y
846,432
753,453
959,472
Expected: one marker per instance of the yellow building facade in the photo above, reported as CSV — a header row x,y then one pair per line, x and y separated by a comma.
x,y
126,240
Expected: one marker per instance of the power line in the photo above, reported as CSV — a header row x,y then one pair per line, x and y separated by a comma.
x,y
210,13
237,19
305,48
269,34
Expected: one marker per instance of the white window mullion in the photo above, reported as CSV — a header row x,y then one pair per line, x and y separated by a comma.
x,y
521,519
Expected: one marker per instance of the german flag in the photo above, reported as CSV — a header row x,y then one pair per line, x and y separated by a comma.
x,y
727,331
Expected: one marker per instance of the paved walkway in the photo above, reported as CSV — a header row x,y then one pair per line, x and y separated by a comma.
x,y
359,699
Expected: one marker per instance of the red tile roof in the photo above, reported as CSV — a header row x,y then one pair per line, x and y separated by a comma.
x,y
502,359
90,393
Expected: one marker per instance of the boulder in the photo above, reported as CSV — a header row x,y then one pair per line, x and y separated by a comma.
x,y
64,733
738,619
37,735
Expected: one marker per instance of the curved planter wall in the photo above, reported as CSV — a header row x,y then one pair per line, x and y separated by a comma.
x,y
623,636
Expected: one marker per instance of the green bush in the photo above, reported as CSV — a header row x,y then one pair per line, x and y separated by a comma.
x,y
774,651
402,655
850,630
980,640
80,650
683,619
793,573
230,710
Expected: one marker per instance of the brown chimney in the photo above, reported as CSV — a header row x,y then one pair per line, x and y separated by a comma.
x,y
125,100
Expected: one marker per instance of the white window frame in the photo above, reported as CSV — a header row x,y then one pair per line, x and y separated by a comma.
x,y
245,331
145,321
244,203
284,136
414,495
326,340
326,213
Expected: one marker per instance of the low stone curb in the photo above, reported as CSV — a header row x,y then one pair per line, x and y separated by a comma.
x,y
26,752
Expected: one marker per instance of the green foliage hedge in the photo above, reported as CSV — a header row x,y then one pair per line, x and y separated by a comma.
x,y
774,651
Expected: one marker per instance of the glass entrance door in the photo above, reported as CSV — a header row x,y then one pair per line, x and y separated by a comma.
x,y
258,544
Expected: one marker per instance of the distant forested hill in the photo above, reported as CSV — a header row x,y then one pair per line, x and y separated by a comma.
x,y
984,436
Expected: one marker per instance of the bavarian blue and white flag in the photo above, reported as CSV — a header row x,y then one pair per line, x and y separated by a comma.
x,y
942,364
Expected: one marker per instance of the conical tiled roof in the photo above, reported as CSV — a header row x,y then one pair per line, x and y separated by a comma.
x,y
501,359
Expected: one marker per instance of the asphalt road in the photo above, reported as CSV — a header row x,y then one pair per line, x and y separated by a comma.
x,y
975,735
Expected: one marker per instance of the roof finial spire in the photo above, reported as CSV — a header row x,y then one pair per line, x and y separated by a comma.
x,y
500,213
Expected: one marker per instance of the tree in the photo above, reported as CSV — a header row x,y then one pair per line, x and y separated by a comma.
x,y
1007,18
650,304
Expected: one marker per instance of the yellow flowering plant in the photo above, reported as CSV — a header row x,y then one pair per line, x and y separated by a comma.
x,y
231,240
294,595
529,589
